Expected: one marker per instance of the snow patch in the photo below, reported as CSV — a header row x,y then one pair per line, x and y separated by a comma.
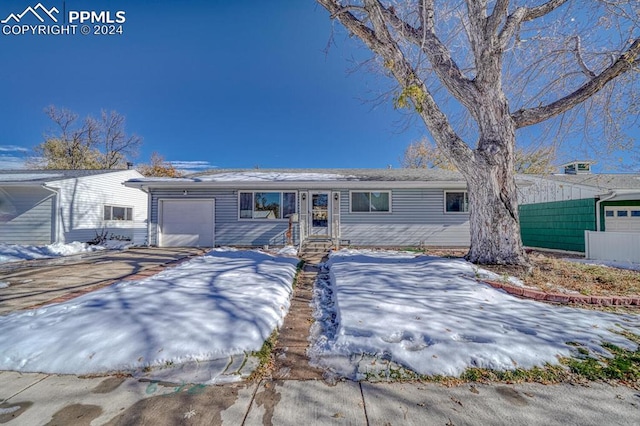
x,y
374,309
17,252
218,305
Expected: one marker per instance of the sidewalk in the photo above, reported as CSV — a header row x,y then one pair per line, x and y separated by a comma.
x,y
38,399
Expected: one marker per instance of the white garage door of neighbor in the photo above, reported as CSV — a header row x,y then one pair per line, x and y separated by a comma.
x,y
187,223
622,218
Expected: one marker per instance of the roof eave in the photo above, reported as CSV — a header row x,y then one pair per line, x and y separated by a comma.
x,y
253,185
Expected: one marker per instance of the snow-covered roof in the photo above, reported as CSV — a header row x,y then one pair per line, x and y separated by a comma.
x,y
38,177
308,178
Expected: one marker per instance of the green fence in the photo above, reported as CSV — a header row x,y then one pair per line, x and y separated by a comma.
x,y
557,225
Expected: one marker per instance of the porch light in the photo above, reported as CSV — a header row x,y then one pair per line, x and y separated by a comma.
x,y
336,196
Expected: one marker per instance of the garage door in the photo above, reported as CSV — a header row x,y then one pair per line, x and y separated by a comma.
x,y
622,218
186,223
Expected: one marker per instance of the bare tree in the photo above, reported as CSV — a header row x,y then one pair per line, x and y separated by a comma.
x,y
423,154
159,168
117,146
85,144
70,146
508,64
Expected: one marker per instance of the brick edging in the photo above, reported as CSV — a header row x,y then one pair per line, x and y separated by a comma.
x,y
565,299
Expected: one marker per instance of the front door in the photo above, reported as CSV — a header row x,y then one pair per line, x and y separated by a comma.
x,y
319,209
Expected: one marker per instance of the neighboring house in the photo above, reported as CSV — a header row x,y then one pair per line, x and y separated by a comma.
x,y
363,207
555,210
45,206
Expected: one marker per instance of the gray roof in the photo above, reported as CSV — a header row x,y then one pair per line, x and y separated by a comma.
x,y
605,182
373,175
308,179
37,177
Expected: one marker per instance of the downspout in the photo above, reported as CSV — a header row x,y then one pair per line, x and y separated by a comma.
x,y
607,198
56,218
149,205
147,190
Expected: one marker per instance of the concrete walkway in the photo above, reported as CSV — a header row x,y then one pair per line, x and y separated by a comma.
x,y
35,283
290,353
38,399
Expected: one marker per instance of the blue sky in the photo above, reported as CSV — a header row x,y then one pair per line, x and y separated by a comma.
x,y
221,83
229,83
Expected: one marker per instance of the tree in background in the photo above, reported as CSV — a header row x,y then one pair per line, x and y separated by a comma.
x,y
85,144
477,71
158,167
423,154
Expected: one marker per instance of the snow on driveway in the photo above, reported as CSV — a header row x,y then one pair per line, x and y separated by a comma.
x,y
224,303
17,252
430,315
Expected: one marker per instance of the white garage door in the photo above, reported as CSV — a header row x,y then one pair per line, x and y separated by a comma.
x,y
622,218
186,223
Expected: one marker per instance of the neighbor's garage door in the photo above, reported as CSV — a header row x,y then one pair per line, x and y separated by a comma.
x,y
186,223
622,218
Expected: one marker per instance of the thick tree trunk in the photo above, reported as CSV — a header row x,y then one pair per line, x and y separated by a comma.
x,y
493,219
490,176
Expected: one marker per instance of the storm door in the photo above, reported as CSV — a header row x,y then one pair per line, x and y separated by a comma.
x,y
319,208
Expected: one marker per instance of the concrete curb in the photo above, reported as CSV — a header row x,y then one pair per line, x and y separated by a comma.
x,y
566,299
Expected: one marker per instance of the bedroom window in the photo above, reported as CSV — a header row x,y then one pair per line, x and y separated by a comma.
x,y
370,202
266,205
118,213
456,202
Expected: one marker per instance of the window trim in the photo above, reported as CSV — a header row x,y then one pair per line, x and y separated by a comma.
x,y
444,201
111,206
387,191
253,192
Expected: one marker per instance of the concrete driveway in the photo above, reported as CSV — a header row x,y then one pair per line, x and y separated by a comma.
x,y
35,283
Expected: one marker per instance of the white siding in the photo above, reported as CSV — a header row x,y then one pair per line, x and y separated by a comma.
x,y
26,215
417,218
544,190
82,201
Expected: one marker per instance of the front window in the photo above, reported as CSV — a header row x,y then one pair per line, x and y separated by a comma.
x,y
371,202
456,202
117,213
267,205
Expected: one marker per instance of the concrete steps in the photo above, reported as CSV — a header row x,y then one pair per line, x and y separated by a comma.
x,y
314,251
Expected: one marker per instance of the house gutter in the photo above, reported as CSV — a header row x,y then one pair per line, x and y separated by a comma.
x,y
55,193
613,194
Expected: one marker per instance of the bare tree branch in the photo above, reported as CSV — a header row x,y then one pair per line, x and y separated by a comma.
x,y
586,71
625,62
524,14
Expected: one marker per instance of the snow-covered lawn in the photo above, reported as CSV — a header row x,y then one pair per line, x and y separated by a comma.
x,y
430,315
16,252
224,303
